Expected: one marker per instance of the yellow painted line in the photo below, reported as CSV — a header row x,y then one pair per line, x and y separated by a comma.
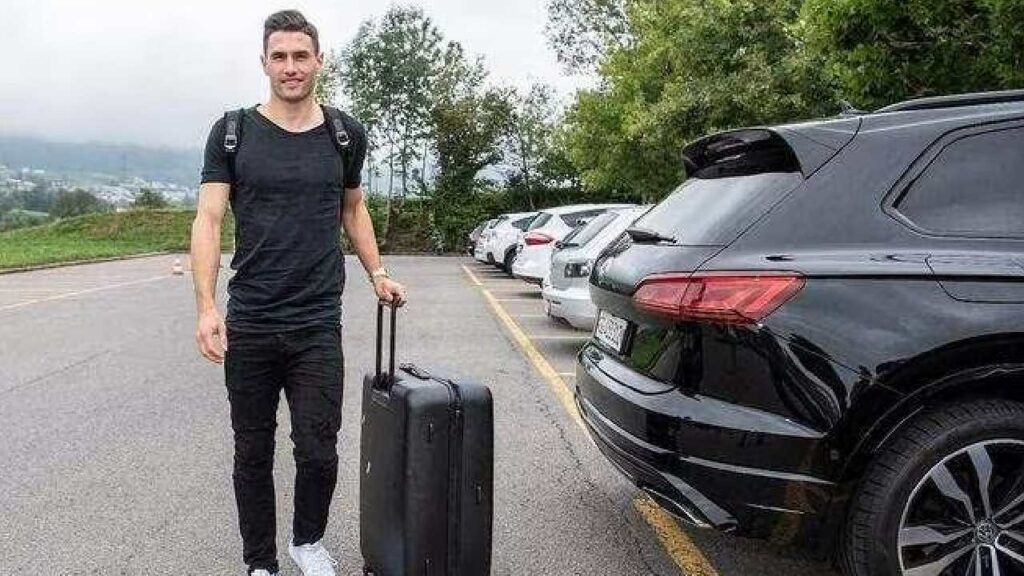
x,y
677,544
680,548
82,292
528,315
555,382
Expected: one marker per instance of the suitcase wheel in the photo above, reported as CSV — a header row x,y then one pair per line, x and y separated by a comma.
x,y
367,571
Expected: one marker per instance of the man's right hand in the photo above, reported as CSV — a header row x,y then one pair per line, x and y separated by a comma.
x,y
211,336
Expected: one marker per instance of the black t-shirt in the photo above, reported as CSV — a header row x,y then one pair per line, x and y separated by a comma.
x,y
286,196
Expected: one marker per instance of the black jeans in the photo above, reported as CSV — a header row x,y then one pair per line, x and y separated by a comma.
x,y
308,364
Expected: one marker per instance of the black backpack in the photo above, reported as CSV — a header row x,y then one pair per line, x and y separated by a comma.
x,y
333,117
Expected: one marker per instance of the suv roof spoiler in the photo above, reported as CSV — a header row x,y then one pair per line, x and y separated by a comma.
x,y
954,100
793,147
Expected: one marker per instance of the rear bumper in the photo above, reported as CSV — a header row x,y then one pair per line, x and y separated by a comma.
x,y
573,304
694,455
531,266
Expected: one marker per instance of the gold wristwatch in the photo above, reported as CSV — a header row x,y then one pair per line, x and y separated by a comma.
x,y
381,272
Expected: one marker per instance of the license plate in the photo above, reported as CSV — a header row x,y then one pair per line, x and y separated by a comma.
x,y
610,330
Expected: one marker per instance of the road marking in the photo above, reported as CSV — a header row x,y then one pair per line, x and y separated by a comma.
x,y
680,548
567,374
559,336
515,299
677,544
555,382
81,292
528,315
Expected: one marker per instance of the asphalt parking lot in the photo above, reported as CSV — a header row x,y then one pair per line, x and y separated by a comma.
x,y
117,449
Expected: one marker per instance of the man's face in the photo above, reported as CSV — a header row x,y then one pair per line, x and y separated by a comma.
x,y
291,64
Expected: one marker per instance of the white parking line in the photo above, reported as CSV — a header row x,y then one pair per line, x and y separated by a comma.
x,y
81,292
516,299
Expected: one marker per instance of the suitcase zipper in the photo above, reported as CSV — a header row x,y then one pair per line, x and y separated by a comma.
x,y
454,480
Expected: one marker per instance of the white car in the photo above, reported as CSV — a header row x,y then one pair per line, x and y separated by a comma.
x,y
504,237
480,251
567,288
533,253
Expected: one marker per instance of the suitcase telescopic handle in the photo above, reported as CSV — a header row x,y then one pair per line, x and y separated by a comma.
x,y
380,382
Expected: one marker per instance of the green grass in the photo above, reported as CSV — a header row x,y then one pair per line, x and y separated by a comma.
x,y
101,236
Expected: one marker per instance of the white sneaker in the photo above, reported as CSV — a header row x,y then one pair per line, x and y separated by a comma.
x,y
313,559
262,572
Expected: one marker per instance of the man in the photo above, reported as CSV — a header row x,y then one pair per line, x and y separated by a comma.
x,y
290,190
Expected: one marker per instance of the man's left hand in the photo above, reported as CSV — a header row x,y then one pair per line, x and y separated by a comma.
x,y
389,291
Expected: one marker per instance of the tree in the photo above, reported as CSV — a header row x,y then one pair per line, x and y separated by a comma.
x,y
388,72
149,199
328,80
880,52
581,32
76,203
693,67
467,124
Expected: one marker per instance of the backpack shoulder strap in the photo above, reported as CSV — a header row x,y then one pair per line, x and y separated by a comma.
x,y
339,135
232,130
232,136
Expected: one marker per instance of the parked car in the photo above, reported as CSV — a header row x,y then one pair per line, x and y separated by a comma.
x,y
818,338
504,236
480,250
533,250
473,237
566,288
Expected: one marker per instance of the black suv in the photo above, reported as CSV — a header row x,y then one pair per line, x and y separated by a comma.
x,y
818,338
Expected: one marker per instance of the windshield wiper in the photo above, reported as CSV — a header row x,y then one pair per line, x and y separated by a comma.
x,y
645,235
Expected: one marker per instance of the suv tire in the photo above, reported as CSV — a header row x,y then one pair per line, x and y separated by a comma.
x,y
939,445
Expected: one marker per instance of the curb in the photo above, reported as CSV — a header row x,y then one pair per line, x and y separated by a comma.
x,y
82,262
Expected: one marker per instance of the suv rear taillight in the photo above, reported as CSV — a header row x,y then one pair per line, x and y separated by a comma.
x,y
726,297
536,238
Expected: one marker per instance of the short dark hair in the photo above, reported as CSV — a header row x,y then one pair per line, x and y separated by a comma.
x,y
289,21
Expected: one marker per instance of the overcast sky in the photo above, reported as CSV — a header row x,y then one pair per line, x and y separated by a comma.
x,y
159,72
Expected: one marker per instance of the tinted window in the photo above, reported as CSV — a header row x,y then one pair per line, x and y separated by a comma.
x,y
524,223
975,186
573,218
540,220
713,211
580,236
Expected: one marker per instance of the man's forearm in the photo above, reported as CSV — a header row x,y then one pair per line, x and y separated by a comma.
x,y
359,229
205,252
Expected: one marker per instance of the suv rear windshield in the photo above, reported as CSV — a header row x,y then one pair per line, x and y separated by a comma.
x,y
524,223
541,220
587,232
713,211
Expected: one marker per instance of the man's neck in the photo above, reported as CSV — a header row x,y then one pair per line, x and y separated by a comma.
x,y
293,116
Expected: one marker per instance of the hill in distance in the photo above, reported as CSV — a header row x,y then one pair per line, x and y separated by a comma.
x,y
177,166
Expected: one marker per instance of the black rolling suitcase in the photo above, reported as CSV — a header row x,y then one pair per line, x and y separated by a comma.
x,y
426,462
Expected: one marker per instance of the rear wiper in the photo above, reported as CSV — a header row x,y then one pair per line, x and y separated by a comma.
x,y
645,235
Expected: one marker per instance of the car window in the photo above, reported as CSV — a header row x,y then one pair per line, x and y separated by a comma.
x,y
973,187
524,223
572,219
715,210
541,220
583,234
